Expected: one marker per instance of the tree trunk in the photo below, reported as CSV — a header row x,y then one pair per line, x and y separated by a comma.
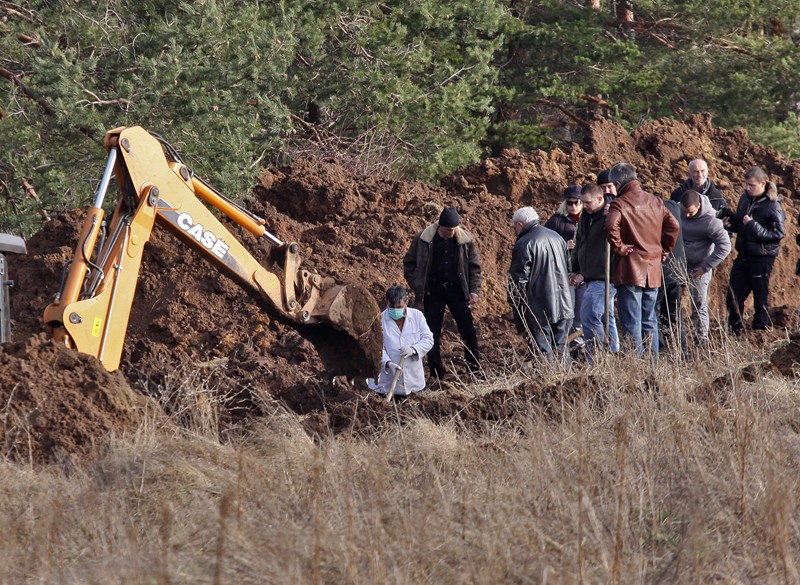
x,y
623,10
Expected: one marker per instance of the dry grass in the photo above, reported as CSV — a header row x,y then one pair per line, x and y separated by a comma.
x,y
666,474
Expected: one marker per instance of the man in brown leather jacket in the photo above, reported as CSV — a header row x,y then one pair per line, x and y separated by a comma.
x,y
642,233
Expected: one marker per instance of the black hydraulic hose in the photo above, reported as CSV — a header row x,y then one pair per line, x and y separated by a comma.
x,y
64,273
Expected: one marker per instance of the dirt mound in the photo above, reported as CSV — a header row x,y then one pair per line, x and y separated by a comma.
x,y
786,358
189,323
57,403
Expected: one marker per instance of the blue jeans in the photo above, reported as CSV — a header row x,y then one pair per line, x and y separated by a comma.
x,y
577,304
637,316
593,311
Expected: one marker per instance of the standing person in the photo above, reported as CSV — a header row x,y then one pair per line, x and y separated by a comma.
x,y
699,181
406,338
443,268
706,244
603,181
564,222
539,285
672,326
759,225
642,233
589,270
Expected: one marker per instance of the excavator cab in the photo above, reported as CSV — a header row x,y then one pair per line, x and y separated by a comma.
x,y
91,310
9,244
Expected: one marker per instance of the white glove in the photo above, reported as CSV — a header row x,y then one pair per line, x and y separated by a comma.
x,y
407,352
392,367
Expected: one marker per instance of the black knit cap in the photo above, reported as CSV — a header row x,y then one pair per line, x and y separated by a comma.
x,y
572,192
603,177
449,218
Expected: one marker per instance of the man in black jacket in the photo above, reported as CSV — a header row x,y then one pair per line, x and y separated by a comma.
x,y
699,181
538,286
589,271
443,269
759,225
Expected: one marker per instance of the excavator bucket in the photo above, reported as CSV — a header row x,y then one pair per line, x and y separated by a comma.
x,y
353,309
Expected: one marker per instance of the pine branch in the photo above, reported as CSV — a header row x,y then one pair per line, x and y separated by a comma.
x,y
30,192
571,115
24,89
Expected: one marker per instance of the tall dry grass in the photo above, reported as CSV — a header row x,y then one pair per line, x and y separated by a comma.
x,y
671,473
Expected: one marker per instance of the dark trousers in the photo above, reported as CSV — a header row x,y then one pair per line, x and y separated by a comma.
x,y
550,340
452,297
749,275
671,326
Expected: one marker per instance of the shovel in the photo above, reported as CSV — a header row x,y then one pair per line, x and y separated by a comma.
x,y
395,378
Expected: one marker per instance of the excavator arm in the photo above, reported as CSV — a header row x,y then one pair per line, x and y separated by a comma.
x,y
92,308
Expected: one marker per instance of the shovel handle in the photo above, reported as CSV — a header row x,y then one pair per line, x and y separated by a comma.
x,y
395,378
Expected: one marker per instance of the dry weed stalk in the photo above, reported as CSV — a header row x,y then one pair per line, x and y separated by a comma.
x,y
655,473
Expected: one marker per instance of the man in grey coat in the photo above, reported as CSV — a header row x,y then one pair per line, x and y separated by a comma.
x,y
706,244
538,285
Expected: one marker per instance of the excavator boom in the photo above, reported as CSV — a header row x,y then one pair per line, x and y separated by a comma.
x,y
91,311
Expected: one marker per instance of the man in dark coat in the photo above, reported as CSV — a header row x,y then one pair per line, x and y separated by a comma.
x,y
443,268
642,233
759,225
699,181
539,285
589,271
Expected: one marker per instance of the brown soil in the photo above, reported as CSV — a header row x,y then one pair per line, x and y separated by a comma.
x,y
189,322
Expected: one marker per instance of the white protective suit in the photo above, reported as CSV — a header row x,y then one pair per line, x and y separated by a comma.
x,y
416,334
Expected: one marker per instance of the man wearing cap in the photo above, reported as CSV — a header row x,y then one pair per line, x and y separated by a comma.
x,y
609,188
443,268
642,233
564,222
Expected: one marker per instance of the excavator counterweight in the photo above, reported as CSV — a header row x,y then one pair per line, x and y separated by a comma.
x,y
91,311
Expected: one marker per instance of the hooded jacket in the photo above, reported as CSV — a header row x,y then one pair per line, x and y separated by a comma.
x,y
704,238
417,262
539,290
637,218
761,237
709,189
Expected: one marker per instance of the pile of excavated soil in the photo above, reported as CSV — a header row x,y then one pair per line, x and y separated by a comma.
x,y
57,403
191,323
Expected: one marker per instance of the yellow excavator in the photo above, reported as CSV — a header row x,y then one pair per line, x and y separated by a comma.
x,y
91,310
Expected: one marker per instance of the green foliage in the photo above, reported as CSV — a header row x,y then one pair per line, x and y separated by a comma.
x,y
736,59
782,136
414,89
179,74
420,72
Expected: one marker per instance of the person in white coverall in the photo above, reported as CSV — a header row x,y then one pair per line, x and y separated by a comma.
x,y
405,334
